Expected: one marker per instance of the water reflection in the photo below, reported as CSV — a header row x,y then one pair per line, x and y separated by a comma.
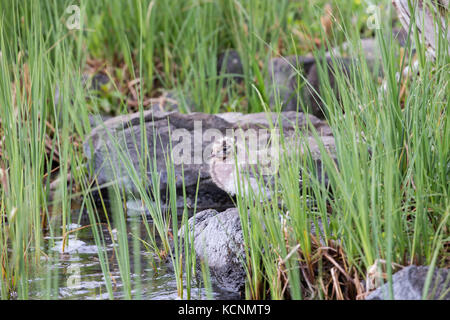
x,y
75,272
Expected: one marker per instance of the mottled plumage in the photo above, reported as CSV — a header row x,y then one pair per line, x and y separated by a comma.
x,y
223,168
227,153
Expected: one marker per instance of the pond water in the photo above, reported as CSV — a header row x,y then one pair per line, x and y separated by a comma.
x,y
76,273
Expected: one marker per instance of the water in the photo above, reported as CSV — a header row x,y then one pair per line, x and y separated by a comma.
x,y
76,273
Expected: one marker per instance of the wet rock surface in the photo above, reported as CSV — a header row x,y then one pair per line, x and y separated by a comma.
x,y
218,242
115,147
409,283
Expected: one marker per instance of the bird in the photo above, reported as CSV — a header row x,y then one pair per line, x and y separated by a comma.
x,y
230,162
234,165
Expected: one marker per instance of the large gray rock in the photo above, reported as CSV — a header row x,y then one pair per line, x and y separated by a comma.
x,y
283,80
408,284
312,93
116,143
284,83
218,242
294,93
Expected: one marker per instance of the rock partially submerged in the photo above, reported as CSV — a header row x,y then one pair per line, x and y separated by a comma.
x,y
218,242
409,284
114,149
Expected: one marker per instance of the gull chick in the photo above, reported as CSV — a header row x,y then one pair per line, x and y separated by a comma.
x,y
230,161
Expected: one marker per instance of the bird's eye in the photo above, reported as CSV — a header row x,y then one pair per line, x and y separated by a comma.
x,y
224,147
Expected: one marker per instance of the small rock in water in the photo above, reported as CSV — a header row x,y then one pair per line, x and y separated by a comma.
x,y
135,208
409,283
72,226
74,246
71,246
219,241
